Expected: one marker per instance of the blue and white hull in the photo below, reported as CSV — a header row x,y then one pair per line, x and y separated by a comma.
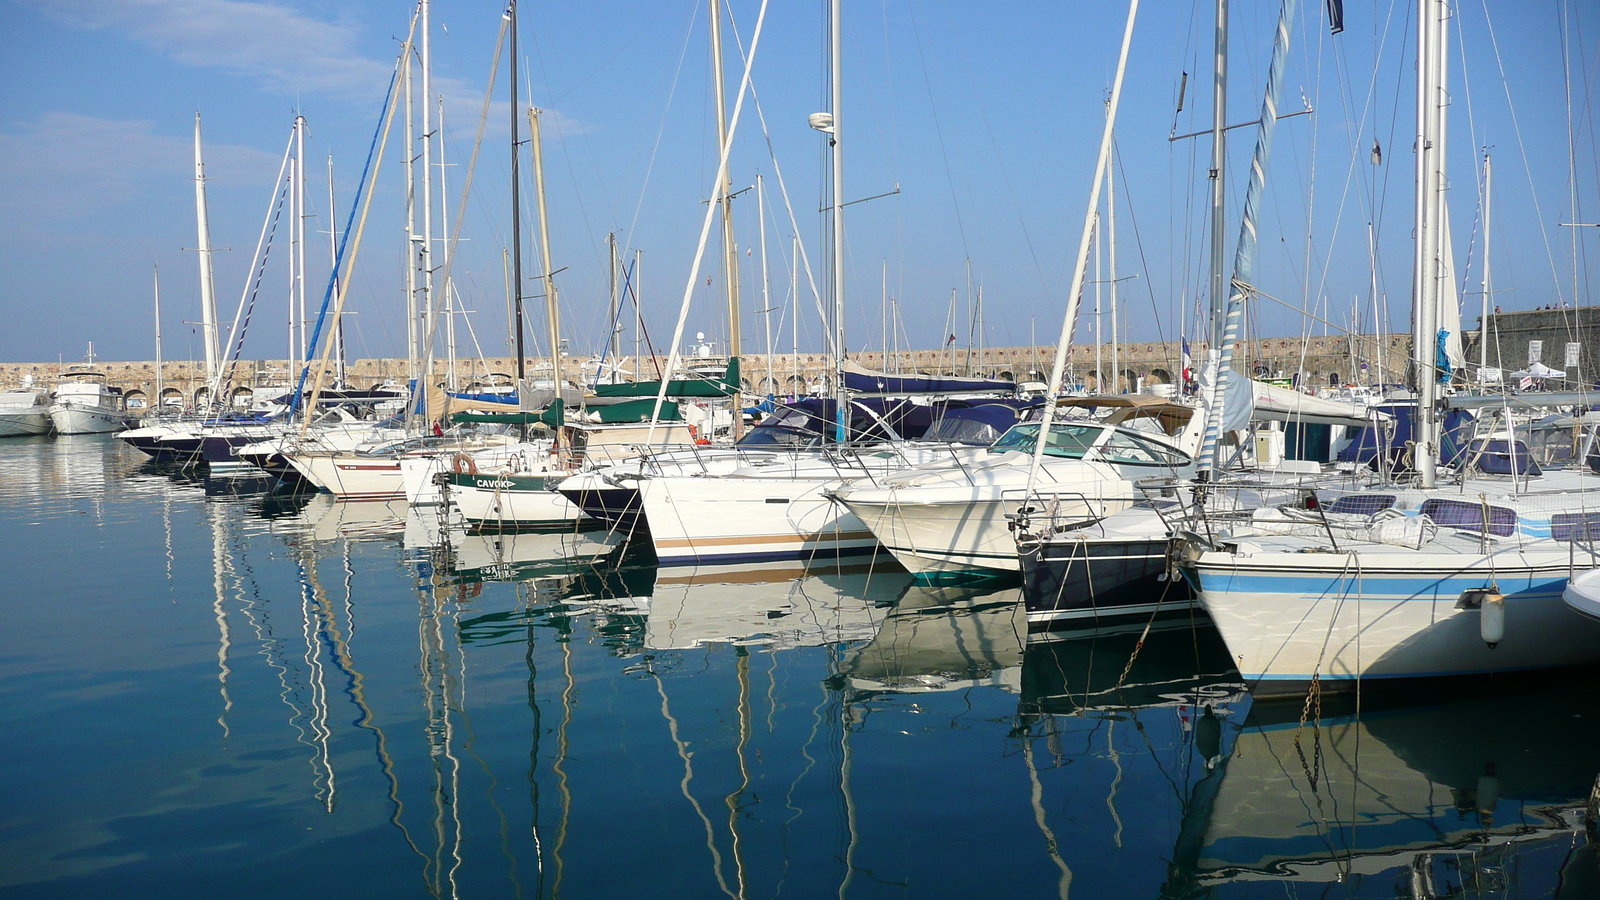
x,y
1291,611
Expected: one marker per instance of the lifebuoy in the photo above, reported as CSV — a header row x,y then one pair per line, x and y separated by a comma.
x,y
462,464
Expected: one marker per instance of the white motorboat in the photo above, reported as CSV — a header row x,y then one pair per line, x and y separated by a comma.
x,y
776,504
24,413
952,517
86,403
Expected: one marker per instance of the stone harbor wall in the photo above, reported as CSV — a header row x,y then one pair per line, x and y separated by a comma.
x,y
1511,334
1321,360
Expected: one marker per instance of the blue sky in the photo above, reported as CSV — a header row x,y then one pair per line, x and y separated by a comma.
x,y
985,116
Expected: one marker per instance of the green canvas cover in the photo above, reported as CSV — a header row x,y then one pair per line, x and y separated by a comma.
x,y
697,387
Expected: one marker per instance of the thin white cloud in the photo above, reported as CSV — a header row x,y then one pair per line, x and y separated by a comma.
x,y
281,46
67,165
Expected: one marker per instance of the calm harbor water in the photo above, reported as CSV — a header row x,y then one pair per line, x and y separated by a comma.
x,y
212,692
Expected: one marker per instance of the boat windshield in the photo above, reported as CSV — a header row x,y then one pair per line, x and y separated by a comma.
x,y
1064,441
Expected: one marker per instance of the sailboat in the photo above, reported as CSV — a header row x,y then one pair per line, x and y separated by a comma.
x,y
1412,578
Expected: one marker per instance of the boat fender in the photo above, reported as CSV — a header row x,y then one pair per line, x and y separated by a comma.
x,y
1492,619
462,464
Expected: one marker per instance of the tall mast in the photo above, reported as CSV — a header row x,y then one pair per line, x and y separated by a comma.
x,y
1483,323
299,225
730,249
1111,261
208,290
333,259
444,229
425,247
516,206
1427,267
411,230
638,315
614,345
835,36
160,383
1219,164
766,284
552,303
292,348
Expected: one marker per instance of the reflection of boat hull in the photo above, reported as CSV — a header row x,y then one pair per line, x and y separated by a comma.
x,y
1387,794
74,418
517,557
1065,579
936,640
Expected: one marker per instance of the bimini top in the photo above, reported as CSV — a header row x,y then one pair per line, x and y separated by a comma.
x,y
1127,407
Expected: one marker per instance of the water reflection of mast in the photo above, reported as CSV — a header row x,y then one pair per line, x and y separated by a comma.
x,y
1036,799
219,555
533,748
558,766
311,630
435,664
688,777
742,667
355,687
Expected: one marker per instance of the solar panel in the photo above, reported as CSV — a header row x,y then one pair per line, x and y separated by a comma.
x,y
1470,516
1361,504
1575,526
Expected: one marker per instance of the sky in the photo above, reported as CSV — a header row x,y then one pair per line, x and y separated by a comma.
x,y
986,117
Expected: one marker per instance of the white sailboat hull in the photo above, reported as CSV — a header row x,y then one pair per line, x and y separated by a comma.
x,y
1290,616
488,501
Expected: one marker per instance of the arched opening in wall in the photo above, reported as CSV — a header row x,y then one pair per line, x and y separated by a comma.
x,y
1007,376
1160,376
377,386
1035,375
1129,381
200,395
172,398
1333,379
136,399
240,397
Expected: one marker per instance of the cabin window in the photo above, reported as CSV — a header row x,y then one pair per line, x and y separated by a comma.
x,y
1066,441
1127,449
1496,520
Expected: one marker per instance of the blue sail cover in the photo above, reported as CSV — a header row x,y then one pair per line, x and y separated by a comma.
x,y
866,381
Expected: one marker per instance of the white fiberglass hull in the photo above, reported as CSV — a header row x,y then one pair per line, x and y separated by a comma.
x,y
352,478
1387,613
507,502
951,529
22,424
72,418
738,519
